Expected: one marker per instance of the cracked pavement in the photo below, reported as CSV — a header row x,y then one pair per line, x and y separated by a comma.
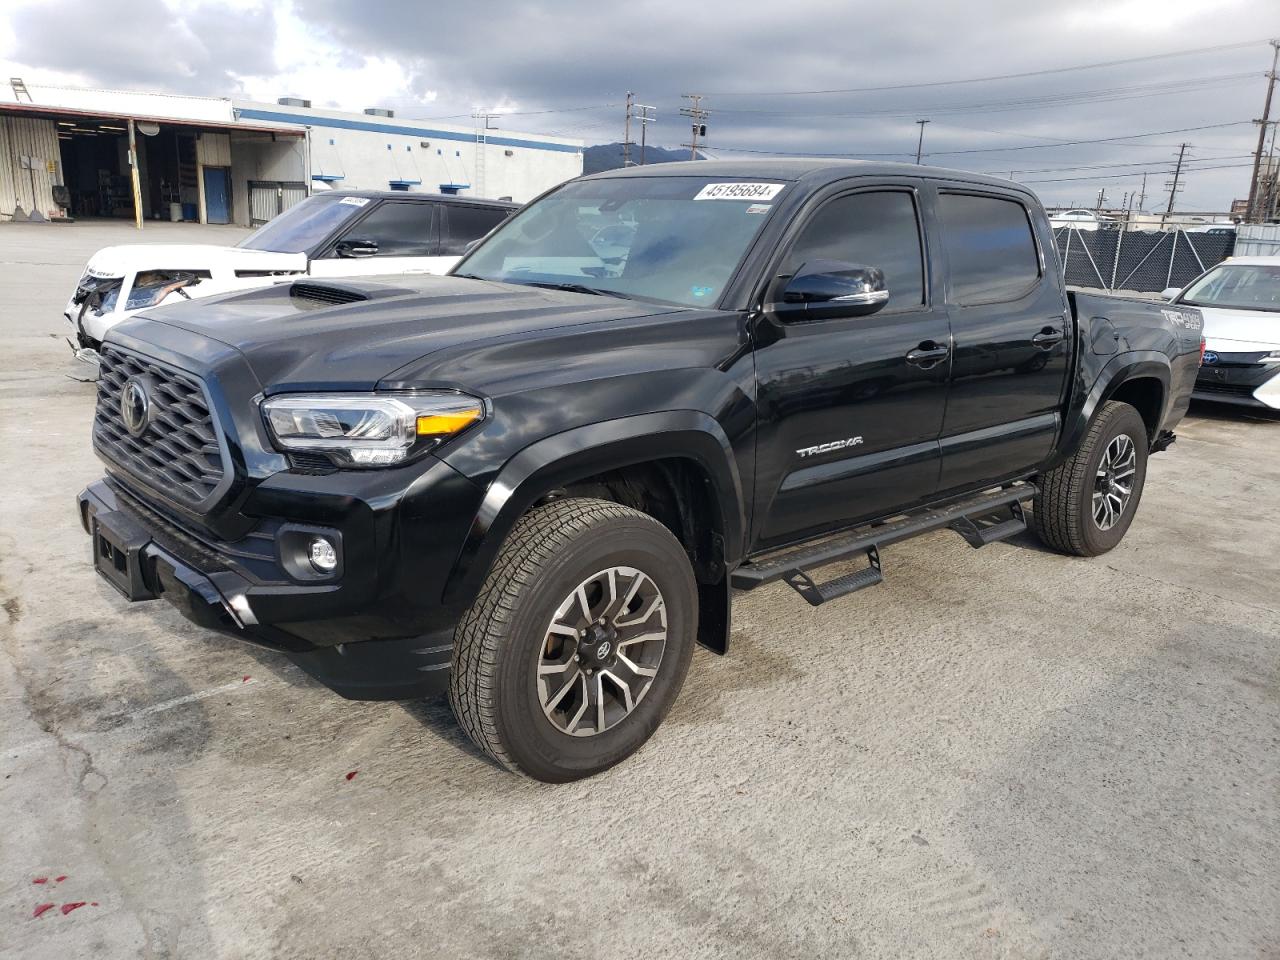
x,y
1001,753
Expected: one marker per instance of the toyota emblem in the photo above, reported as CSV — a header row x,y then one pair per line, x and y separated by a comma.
x,y
1210,357
135,406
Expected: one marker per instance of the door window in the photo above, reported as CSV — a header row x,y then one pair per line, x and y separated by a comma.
x,y
990,247
467,223
399,229
870,229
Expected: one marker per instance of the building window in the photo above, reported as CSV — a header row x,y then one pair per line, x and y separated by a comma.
x,y
457,153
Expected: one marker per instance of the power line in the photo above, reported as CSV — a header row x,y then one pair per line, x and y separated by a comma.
x,y
1124,176
1030,146
1003,76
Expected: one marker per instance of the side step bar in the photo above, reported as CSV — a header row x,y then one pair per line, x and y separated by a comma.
x,y
981,519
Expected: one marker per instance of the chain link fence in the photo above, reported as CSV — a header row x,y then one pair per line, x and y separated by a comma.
x,y
1148,261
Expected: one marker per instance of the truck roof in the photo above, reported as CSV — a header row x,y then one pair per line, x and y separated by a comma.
x,y
420,197
814,170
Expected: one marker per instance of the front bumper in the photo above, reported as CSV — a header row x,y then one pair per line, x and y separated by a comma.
x,y
1245,383
222,587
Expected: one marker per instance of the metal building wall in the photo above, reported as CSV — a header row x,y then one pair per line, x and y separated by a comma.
x,y
27,137
1258,240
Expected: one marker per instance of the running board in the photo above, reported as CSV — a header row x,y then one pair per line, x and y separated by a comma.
x,y
981,519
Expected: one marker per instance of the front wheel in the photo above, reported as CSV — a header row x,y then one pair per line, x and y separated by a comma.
x,y
579,640
1086,504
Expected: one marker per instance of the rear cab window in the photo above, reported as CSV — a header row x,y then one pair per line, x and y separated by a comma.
x,y
464,223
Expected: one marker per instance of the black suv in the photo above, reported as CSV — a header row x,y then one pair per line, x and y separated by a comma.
x,y
535,483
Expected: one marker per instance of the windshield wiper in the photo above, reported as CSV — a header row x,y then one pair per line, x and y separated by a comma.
x,y
571,288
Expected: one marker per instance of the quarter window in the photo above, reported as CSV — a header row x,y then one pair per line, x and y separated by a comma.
x,y
868,229
990,248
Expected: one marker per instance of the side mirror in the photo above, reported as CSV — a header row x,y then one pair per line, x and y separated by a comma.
x,y
831,288
357,248
1170,292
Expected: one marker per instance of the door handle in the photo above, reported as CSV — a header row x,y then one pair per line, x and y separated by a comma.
x,y
1048,337
928,354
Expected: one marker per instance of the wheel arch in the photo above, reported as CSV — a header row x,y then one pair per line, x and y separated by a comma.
x,y
678,466
1140,378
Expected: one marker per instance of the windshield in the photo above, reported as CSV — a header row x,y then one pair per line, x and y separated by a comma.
x,y
305,224
1237,287
671,239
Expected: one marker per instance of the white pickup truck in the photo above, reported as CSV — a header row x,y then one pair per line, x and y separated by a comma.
x,y
333,234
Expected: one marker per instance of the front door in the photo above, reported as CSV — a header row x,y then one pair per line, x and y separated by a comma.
x,y
217,195
1013,338
850,409
397,236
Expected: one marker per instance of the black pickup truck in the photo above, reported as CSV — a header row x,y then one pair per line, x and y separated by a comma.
x,y
534,484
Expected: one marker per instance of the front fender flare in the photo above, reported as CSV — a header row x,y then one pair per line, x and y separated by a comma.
x,y
585,451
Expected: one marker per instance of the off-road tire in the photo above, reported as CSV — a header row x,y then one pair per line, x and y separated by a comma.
x,y
493,678
1062,512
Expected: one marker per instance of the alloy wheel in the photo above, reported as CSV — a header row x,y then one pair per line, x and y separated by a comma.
x,y
1113,484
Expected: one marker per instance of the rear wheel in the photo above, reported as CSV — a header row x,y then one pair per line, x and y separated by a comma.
x,y
579,640
1086,504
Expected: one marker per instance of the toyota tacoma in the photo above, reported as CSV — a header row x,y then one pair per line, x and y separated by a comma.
x,y
535,484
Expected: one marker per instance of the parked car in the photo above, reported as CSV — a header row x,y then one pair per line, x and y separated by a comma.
x,y
1240,301
535,483
338,233
1080,220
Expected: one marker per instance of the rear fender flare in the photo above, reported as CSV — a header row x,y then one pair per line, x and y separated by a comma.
x,y
585,451
1120,370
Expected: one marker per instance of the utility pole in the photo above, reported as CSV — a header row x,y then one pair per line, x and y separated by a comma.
x,y
626,136
1102,196
1251,213
1142,197
646,117
698,120
1174,186
920,144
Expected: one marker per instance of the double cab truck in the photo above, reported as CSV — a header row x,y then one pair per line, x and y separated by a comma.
x,y
534,484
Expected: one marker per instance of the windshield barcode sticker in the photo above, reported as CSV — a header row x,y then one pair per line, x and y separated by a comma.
x,y
354,201
739,191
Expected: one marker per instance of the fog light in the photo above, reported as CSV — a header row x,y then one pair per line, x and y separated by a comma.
x,y
324,557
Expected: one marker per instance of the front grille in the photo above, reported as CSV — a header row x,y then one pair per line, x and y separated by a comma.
x,y
1226,389
178,453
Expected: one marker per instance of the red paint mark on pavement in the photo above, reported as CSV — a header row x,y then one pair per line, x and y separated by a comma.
x,y
245,678
352,774
40,880
94,903
59,879
42,908
68,907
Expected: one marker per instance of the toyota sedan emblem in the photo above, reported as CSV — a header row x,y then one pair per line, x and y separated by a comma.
x,y
1210,357
135,406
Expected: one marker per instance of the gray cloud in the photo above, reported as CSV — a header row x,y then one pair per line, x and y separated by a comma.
x,y
143,44
577,54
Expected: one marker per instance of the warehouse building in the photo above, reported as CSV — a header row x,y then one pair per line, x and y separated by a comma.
x,y
67,153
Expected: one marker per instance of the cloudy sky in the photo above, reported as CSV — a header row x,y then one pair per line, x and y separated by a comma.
x,y
565,68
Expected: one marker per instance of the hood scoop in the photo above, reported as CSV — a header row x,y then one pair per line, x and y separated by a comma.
x,y
326,293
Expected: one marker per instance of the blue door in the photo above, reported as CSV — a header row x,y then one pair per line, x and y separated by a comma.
x,y
217,194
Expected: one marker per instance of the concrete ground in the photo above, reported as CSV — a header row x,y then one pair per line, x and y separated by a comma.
x,y
1004,753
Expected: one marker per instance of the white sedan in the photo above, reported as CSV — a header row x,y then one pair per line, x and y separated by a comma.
x,y
1240,300
333,234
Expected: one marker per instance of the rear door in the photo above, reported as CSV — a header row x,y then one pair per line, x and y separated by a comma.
x,y
402,235
462,225
1012,333
848,424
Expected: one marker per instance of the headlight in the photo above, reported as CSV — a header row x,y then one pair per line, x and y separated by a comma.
x,y
152,286
369,430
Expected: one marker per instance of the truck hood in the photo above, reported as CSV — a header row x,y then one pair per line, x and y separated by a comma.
x,y
1241,331
130,258
295,338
